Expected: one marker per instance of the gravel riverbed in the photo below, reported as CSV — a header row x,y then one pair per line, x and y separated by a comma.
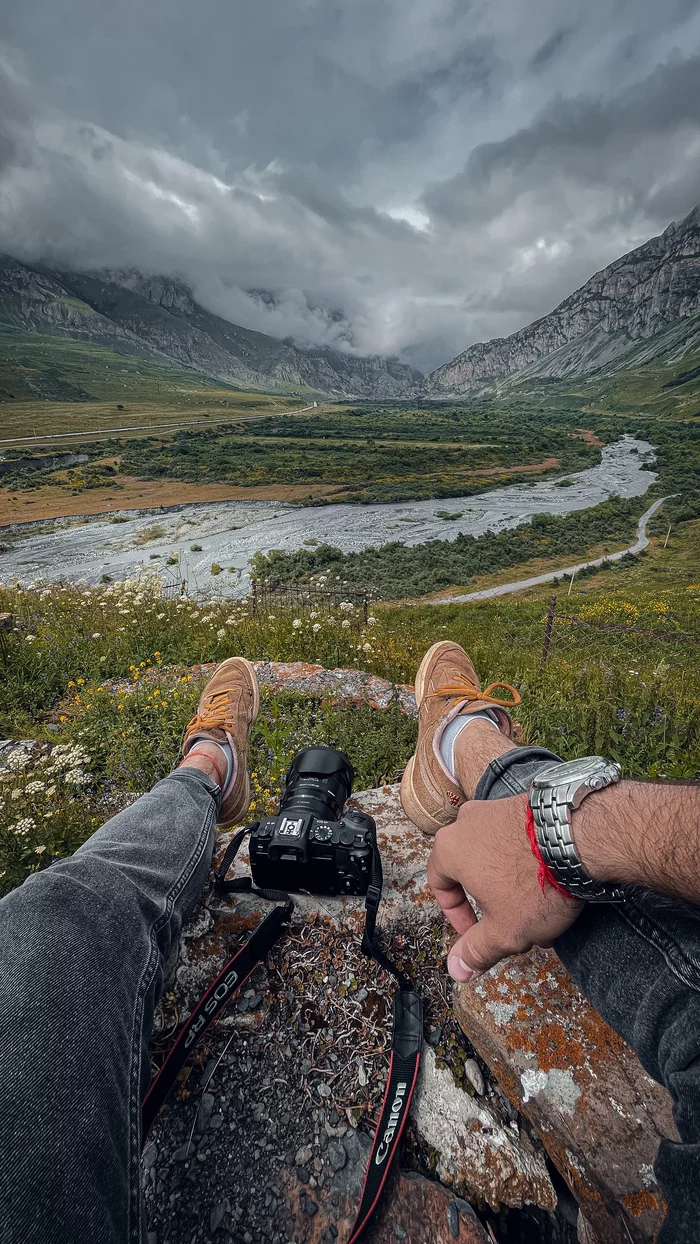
x,y
229,533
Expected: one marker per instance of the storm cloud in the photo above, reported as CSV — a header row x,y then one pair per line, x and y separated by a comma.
x,y
389,176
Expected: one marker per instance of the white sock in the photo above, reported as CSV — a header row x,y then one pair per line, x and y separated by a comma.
x,y
455,727
228,755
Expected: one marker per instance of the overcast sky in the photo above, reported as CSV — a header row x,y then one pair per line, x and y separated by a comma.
x,y
407,176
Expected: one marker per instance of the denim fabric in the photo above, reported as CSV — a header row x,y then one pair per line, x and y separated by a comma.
x,y
82,952
639,964
512,773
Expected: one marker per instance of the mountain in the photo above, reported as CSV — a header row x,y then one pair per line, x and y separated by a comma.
x,y
157,318
643,306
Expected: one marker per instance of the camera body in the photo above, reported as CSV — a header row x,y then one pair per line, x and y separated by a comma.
x,y
314,844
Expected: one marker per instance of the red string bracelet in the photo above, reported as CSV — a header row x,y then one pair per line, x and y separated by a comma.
x,y
545,876
212,762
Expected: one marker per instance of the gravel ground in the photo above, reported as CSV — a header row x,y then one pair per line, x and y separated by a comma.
x,y
282,1100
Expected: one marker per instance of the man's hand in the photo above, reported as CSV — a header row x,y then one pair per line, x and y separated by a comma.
x,y
486,854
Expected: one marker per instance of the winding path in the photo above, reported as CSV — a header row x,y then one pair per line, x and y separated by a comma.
x,y
502,589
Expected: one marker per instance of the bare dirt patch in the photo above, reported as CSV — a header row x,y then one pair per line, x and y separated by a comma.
x,y
585,434
138,494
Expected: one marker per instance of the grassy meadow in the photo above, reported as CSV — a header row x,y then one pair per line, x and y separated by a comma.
x,y
56,387
104,680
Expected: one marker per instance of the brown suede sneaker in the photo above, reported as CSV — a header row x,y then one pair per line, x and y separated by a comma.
x,y
226,711
446,685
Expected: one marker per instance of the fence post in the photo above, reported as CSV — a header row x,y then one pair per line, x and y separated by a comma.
x,y
548,627
254,585
365,606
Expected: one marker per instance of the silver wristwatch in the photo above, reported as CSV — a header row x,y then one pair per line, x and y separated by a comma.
x,y
554,794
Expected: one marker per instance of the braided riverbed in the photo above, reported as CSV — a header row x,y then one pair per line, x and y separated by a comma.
x,y
230,532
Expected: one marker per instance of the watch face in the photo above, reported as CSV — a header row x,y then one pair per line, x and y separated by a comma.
x,y
571,771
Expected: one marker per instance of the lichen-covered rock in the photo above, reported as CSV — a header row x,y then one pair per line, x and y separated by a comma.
x,y
476,1154
599,1114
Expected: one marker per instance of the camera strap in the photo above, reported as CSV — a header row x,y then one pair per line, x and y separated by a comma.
x,y
230,979
407,1034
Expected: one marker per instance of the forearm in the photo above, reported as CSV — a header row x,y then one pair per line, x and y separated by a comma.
x,y
643,833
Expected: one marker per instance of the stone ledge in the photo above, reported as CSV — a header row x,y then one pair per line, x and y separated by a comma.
x,y
598,1113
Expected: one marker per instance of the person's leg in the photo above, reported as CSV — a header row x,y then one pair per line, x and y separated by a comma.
x,y
82,952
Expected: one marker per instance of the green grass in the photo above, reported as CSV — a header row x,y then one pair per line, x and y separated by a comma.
x,y
368,454
147,391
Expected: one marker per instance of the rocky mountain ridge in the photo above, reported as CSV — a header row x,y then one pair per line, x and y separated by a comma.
x,y
652,292
158,318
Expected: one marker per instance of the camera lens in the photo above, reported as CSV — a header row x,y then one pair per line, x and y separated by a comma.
x,y
319,780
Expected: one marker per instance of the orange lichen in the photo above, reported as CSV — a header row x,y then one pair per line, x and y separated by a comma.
x,y
554,1048
637,1202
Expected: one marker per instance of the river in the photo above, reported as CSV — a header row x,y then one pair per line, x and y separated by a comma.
x,y
230,532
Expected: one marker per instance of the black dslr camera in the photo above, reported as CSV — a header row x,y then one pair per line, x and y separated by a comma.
x,y
310,845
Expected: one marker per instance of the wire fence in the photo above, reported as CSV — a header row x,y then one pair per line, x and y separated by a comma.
x,y
559,630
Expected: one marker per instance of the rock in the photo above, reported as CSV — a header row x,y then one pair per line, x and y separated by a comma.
x,y
412,1208
310,1206
599,1114
472,1071
185,1152
209,1069
476,1155
216,1122
216,1217
206,1107
420,1211
149,1156
304,1155
337,1156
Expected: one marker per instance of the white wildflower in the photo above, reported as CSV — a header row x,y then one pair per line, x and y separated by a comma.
x,y
313,614
39,850
367,647
17,793
220,634
75,777
160,616
32,788
50,790
96,635
371,621
345,624
296,623
316,627
346,606
22,828
30,639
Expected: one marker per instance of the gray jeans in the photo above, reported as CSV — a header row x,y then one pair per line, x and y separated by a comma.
x,y
82,952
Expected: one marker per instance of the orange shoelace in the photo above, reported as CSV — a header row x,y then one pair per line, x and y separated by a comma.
x,y
216,714
463,688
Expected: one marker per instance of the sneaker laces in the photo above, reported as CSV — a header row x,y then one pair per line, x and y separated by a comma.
x,y
215,715
462,686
